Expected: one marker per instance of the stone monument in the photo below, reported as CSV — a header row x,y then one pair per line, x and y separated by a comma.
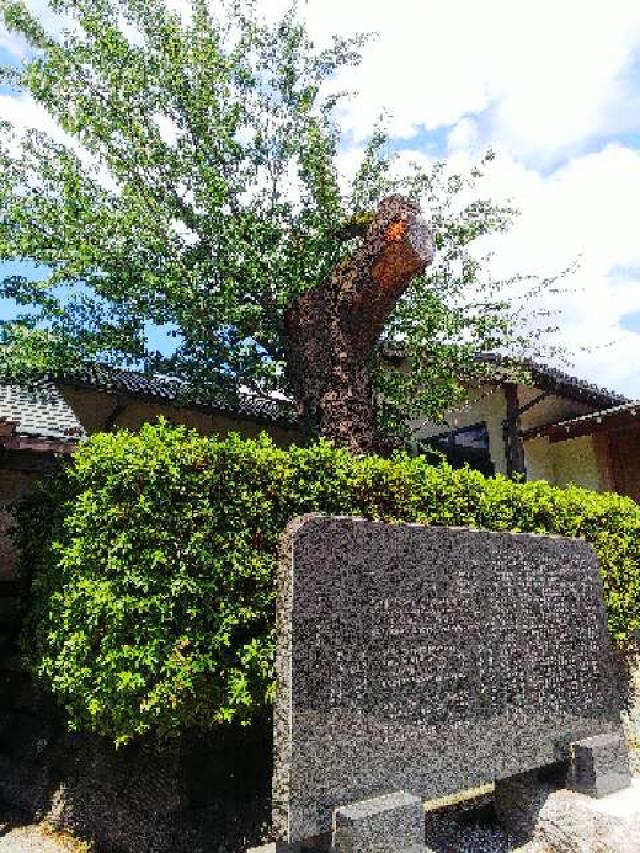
x,y
417,661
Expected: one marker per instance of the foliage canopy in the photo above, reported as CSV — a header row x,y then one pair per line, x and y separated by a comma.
x,y
198,188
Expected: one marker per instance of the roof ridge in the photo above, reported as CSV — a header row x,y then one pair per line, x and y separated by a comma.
x,y
99,374
556,373
580,387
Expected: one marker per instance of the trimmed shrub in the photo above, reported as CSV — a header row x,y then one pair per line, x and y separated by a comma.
x,y
152,561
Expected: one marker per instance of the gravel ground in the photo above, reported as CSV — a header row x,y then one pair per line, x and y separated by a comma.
x,y
465,828
470,836
18,837
448,835
469,829
465,833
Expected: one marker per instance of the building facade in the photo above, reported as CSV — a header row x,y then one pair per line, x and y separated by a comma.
x,y
555,428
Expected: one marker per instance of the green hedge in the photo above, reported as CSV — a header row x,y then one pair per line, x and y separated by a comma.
x,y
152,559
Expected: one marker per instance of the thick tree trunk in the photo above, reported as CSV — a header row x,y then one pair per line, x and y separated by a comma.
x,y
332,330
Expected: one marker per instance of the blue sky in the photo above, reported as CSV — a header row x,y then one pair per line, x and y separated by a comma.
x,y
6,56
554,89
630,321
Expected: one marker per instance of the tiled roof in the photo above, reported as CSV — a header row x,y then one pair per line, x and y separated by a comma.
x,y
545,377
561,383
624,414
172,391
42,412
39,412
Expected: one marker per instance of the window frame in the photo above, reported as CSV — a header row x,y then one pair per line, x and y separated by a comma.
x,y
450,453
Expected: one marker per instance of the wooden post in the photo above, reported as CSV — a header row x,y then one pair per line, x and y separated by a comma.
x,y
513,441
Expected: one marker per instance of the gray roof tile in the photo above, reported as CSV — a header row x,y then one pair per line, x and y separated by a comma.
x,y
587,421
40,412
172,391
557,381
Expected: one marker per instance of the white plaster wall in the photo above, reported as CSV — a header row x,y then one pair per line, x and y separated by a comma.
x,y
576,462
539,460
563,462
485,403
549,410
92,408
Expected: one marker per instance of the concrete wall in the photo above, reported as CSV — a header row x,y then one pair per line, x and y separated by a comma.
x,y
13,484
7,551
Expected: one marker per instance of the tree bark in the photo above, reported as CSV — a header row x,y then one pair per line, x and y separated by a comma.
x,y
332,329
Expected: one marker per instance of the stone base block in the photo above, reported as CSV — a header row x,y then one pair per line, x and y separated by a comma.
x,y
309,847
276,847
285,847
387,824
599,765
518,801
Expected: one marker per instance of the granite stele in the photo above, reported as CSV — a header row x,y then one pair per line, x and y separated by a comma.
x,y
426,660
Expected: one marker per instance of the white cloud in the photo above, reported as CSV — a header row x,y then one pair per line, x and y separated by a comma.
x,y
13,44
182,9
23,113
189,236
583,211
465,137
586,206
562,74
169,130
547,74
53,23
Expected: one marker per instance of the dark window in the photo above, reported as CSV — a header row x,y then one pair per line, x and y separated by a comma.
x,y
466,446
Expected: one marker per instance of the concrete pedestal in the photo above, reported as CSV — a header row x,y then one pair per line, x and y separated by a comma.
x,y
599,766
393,823
518,802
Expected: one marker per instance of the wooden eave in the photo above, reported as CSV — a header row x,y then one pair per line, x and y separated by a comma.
x,y
36,444
601,422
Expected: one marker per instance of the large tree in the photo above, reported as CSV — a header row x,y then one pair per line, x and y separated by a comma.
x,y
198,189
